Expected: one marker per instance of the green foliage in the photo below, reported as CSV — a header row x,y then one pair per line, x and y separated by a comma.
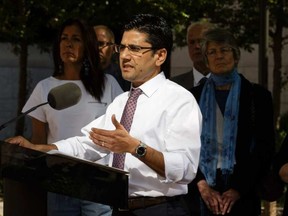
x,y
22,21
36,21
282,129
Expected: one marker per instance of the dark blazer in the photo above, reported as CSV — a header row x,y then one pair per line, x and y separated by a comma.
x,y
186,80
254,147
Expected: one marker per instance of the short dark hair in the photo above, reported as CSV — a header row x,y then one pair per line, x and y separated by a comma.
x,y
93,79
220,36
108,31
159,33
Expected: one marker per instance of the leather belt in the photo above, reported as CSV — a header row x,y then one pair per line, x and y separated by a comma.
x,y
143,202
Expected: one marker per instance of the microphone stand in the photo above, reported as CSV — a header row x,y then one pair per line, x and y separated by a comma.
x,y
21,115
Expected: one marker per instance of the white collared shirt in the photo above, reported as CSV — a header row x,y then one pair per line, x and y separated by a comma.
x,y
168,119
198,76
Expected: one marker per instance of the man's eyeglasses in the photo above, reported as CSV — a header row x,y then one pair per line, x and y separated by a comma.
x,y
133,49
102,44
223,51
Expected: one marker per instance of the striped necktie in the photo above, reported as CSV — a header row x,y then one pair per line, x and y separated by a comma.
x,y
126,121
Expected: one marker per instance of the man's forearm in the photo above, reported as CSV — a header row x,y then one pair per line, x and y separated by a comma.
x,y
44,147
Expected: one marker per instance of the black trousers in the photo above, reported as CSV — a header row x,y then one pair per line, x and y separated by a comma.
x,y
171,208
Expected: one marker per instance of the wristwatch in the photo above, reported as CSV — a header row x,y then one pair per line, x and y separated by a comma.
x,y
141,150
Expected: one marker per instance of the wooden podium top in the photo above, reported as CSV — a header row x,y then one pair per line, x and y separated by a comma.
x,y
64,174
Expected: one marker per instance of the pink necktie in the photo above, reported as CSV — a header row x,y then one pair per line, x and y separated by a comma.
x,y
126,121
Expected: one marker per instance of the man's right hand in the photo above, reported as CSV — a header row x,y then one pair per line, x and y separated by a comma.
x,y
21,141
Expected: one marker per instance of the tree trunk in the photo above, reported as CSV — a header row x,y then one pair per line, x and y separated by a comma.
x,y
277,57
270,208
22,85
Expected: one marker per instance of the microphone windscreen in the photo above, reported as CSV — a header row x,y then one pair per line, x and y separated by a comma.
x,y
64,96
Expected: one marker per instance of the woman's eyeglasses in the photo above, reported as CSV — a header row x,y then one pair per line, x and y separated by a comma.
x,y
223,51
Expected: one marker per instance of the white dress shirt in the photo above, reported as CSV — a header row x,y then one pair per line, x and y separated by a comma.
x,y
198,76
168,119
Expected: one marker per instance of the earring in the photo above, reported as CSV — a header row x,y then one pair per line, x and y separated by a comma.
x,y
86,66
60,68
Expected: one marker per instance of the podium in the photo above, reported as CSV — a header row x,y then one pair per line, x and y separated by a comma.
x,y
29,174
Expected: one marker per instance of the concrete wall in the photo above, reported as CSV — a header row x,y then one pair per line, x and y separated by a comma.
x,y
40,66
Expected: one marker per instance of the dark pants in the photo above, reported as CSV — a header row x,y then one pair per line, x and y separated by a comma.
x,y
171,208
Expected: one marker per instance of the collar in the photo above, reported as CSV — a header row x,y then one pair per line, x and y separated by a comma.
x,y
149,87
198,76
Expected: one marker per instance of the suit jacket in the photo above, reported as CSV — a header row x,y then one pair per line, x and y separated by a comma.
x,y
186,80
255,141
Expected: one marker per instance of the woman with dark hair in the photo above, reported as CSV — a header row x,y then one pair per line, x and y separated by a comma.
x,y
76,60
237,139
90,74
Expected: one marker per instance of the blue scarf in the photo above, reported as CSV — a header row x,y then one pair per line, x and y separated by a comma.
x,y
209,149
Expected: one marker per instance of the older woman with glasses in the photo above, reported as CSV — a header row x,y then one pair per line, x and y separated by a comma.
x,y
237,140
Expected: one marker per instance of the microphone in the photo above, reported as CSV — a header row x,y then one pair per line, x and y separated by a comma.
x,y
64,96
60,97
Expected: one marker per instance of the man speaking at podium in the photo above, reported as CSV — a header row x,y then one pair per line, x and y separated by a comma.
x,y
152,131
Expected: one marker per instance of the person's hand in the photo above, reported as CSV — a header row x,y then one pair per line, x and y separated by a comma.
x,y
21,141
118,140
229,198
211,197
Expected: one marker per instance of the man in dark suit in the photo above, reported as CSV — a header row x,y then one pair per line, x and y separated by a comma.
x,y
194,36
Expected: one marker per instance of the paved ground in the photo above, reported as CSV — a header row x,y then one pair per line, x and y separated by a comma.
x,y
279,210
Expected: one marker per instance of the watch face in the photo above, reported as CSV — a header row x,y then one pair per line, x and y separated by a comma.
x,y
141,150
